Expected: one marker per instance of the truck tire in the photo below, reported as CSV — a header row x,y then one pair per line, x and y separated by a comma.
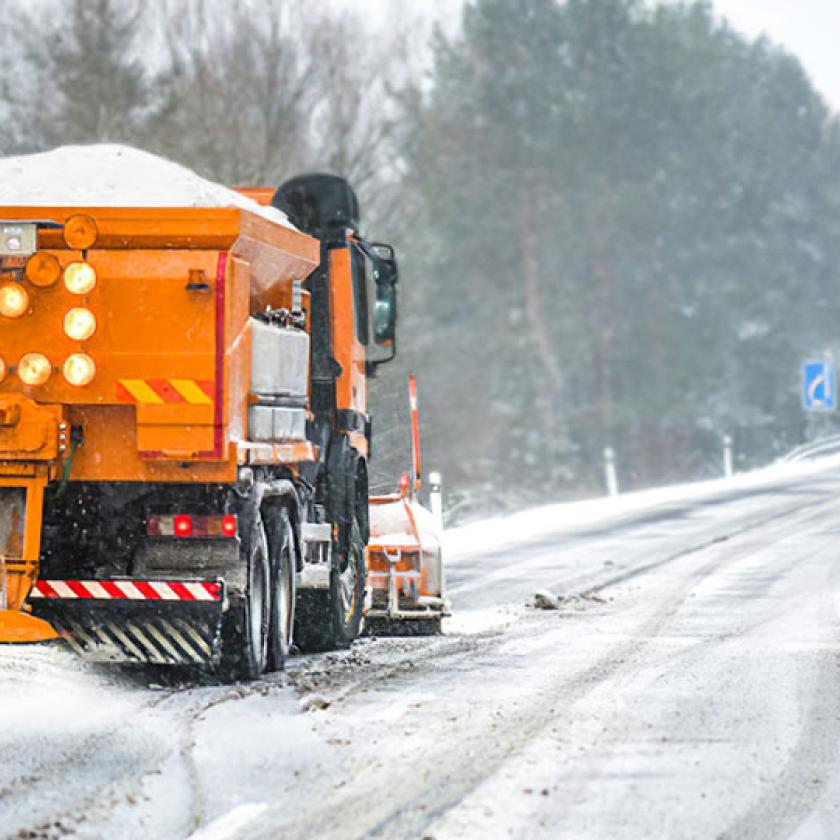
x,y
245,628
348,582
332,618
282,564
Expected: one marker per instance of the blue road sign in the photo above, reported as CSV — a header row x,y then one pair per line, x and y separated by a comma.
x,y
819,386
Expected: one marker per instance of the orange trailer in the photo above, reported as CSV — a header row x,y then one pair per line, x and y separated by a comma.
x,y
184,428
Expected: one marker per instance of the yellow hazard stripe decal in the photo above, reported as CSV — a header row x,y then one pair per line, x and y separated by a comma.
x,y
190,391
141,391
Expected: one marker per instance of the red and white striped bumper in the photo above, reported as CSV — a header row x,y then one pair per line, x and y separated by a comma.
x,y
173,622
131,590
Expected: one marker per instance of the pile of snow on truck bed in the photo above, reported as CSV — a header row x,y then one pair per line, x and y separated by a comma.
x,y
110,175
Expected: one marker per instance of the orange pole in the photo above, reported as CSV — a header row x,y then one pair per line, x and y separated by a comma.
x,y
415,433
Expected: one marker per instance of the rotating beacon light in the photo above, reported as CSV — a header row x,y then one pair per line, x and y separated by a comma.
x,y
43,269
80,232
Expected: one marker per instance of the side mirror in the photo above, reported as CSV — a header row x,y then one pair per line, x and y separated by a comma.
x,y
385,315
383,348
385,270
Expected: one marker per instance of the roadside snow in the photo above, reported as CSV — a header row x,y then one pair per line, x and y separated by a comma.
x,y
231,824
110,175
503,531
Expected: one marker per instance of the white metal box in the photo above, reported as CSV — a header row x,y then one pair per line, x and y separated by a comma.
x,y
279,360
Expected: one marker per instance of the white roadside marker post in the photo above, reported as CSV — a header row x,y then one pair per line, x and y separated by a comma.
x,y
436,498
727,457
610,472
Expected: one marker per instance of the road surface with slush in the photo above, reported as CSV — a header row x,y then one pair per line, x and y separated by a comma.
x,y
686,684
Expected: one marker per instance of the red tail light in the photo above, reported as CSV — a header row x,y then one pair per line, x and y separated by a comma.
x,y
228,526
185,525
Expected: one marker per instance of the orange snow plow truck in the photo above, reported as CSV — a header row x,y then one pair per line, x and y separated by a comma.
x,y
184,433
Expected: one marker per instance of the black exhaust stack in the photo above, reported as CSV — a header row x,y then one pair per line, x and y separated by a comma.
x,y
321,205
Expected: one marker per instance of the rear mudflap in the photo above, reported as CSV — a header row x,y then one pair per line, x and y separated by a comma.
x,y
151,622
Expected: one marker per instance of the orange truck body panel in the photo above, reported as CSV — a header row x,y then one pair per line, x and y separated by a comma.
x,y
170,396
262,195
169,401
351,387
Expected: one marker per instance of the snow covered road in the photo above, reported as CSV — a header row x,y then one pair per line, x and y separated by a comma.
x,y
688,686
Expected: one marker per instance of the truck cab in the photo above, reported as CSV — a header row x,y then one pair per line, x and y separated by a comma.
x,y
353,331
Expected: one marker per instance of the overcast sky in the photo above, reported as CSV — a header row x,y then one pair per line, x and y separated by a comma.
x,y
808,28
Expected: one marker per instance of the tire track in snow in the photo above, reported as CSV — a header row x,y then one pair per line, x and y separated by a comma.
x,y
790,799
145,738
451,765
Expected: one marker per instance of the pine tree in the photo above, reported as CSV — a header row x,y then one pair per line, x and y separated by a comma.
x,y
624,206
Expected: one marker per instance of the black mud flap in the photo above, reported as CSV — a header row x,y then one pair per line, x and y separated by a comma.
x,y
149,631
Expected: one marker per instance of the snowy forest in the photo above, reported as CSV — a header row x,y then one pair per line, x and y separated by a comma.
x,y
618,221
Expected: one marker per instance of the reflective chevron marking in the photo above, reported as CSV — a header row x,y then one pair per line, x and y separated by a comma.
x,y
184,644
163,391
191,391
138,391
201,643
154,654
126,642
156,641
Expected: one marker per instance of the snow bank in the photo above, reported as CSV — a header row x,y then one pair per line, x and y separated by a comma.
x,y
503,531
110,175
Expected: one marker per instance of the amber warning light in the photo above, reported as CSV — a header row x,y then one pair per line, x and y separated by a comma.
x,y
79,369
79,278
14,300
34,369
79,324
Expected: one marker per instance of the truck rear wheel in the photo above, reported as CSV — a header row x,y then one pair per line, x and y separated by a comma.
x,y
332,618
282,556
350,578
245,629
